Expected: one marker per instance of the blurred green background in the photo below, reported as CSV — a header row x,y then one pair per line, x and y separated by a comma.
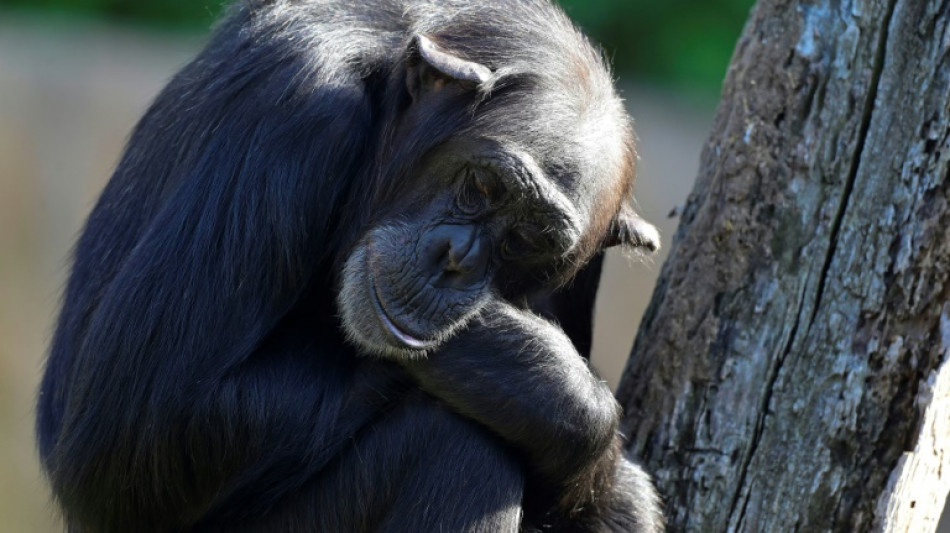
x,y
683,43
75,75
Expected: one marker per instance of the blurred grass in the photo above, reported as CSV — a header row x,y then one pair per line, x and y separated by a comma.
x,y
684,44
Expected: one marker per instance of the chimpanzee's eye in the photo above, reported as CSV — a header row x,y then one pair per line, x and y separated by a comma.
x,y
476,192
518,244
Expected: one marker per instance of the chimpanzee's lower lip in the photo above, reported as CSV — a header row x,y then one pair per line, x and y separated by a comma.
x,y
406,339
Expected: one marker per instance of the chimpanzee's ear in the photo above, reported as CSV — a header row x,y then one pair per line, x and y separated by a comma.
x,y
628,229
432,67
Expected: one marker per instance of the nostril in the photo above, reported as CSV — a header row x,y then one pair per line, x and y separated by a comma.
x,y
459,248
456,256
476,257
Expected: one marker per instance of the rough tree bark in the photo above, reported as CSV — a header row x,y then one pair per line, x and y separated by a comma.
x,y
791,371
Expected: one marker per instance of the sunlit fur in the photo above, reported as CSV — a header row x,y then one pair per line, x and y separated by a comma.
x,y
200,377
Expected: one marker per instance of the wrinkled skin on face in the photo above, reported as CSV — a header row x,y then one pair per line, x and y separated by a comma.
x,y
415,280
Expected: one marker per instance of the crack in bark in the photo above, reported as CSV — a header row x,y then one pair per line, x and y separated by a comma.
x,y
865,127
763,411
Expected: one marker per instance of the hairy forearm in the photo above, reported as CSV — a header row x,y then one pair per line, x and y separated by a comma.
x,y
522,378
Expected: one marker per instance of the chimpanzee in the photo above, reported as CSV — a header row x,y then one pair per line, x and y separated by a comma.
x,y
321,291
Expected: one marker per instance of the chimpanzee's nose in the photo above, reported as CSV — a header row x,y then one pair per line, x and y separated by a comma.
x,y
456,256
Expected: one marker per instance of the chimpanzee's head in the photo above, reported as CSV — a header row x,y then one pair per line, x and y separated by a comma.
x,y
510,165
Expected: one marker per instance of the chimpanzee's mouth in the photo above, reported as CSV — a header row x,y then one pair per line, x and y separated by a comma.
x,y
410,341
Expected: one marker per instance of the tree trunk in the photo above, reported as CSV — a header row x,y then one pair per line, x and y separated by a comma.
x,y
791,371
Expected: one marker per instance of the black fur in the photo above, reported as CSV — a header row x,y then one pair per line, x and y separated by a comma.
x,y
199,377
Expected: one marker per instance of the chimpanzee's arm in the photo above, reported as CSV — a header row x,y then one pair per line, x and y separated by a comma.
x,y
520,376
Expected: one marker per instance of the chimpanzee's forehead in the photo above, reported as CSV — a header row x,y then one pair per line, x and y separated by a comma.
x,y
583,142
576,131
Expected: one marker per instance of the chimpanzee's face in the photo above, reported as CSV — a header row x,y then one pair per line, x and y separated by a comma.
x,y
514,203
